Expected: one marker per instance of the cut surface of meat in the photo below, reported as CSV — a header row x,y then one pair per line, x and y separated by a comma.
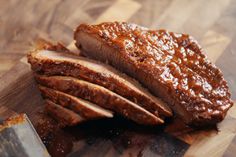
x,y
63,115
172,66
100,96
58,63
84,108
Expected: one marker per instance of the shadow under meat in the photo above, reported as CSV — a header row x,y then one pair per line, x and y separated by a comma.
x,y
108,137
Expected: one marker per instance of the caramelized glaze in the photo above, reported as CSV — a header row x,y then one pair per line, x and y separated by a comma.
x,y
177,61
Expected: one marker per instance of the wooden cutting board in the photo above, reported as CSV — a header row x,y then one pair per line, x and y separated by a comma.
x,y
119,137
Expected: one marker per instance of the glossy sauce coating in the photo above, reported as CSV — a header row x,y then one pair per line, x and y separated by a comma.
x,y
176,60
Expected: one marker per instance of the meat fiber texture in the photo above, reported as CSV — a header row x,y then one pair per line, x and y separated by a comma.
x,y
54,63
138,104
86,109
99,96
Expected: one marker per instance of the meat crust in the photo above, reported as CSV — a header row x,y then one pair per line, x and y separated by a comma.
x,y
172,66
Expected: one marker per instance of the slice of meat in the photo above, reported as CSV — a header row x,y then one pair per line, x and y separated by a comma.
x,y
172,66
63,115
55,63
84,108
100,96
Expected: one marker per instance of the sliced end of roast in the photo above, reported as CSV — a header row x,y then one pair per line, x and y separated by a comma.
x,y
55,63
63,115
100,96
84,108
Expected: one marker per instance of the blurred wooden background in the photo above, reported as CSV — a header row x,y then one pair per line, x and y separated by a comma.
x,y
211,22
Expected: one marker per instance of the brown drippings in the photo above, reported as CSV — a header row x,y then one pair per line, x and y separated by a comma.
x,y
187,133
57,142
119,134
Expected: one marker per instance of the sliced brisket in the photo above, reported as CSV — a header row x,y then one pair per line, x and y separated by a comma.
x,y
63,115
84,108
55,63
100,96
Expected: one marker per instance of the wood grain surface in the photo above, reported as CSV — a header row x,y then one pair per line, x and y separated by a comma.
x,y
211,22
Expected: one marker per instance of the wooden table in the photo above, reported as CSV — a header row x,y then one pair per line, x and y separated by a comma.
x,y
211,22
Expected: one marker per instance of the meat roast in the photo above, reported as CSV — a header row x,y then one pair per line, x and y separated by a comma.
x,y
171,65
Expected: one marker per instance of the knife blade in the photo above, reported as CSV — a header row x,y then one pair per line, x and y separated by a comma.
x,y
18,138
